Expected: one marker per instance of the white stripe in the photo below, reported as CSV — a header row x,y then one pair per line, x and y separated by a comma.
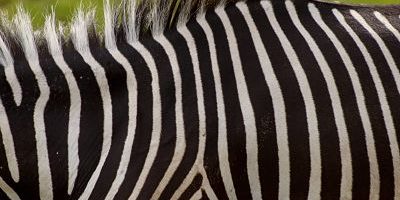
x,y
394,146
198,165
131,84
344,144
197,195
312,121
81,44
12,79
8,143
373,162
156,131
395,149
7,61
222,132
207,186
132,114
102,82
74,121
386,52
75,102
180,126
186,182
45,182
396,33
8,190
23,24
245,106
387,24
9,69
374,189
277,103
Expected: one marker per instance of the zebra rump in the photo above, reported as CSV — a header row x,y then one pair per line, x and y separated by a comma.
x,y
197,99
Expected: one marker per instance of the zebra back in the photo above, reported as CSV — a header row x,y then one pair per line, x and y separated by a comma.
x,y
249,100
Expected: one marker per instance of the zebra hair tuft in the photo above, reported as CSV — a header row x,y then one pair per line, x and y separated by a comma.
x,y
131,19
25,34
79,29
52,35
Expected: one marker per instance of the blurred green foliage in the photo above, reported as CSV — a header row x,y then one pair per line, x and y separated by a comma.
x,y
65,9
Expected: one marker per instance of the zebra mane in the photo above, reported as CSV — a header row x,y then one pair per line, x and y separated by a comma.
x,y
129,19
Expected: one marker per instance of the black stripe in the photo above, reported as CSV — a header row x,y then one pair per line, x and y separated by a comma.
x,y
394,21
144,120
3,195
295,107
168,133
235,127
193,188
4,170
211,161
393,44
380,135
351,113
116,76
90,141
56,117
370,93
190,112
329,141
91,136
260,97
5,93
204,195
22,128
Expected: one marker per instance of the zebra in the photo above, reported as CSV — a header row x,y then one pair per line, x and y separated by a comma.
x,y
258,99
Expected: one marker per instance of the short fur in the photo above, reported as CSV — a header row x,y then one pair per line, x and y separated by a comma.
x,y
130,22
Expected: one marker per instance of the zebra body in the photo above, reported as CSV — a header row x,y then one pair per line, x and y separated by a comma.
x,y
253,100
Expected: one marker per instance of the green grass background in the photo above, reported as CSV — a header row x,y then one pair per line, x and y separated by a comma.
x,y
64,9
38,9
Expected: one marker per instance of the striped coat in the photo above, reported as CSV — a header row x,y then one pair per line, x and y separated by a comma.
x,y
253,100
